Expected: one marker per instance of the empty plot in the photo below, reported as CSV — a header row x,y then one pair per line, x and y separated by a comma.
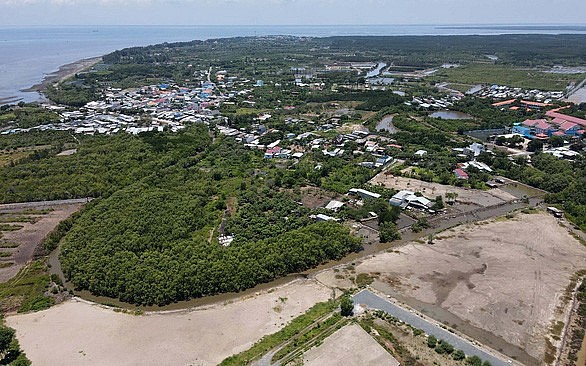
x,y
506,278
468,196
350,345
80,333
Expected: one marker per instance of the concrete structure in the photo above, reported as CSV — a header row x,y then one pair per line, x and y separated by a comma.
x,y
364,193
405,199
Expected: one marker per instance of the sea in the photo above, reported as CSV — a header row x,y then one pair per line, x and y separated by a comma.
x,y
28,54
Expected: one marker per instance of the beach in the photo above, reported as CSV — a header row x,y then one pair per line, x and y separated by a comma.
x,y
64,73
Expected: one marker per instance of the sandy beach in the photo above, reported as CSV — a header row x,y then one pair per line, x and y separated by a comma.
x,y
64,72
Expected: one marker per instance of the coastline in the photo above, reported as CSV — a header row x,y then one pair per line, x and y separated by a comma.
x,y
64,72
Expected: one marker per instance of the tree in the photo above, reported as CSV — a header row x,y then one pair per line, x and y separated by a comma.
x,y
6,335
438,203
431,341
458,355
388,232
444,347
556,141
346,306
535,145
474,361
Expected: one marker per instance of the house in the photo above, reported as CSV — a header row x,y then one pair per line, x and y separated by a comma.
x,y
554,113
322,217
420,153
364,193
522,130
404,199
460,174
334,205
569,128
474,149
539,126
272,152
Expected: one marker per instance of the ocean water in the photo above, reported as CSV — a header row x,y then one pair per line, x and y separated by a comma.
x,y
27,54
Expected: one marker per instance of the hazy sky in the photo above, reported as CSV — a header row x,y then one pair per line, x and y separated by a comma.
x,y
290,12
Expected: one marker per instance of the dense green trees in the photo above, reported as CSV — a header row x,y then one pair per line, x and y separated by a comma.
x,y
346,305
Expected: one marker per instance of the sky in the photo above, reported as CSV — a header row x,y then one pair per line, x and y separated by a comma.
x,y
290,12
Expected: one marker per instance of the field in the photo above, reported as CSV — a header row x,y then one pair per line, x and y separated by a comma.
x,y
35,222
350,345
507,75
501,282
200,336
431,190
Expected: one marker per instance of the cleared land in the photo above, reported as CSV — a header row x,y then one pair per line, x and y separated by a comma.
x,y
200,336
350,345
506,278
431,190
20,245
506,75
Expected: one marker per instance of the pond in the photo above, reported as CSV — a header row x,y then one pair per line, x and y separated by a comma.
x,y
376,71
386,124
450,115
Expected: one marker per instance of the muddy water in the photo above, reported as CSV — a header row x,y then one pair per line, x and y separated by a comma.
x,y
462,326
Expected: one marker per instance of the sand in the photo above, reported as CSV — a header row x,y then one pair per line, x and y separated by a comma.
x,y
431,190
81,333
64,72
350,345
504,277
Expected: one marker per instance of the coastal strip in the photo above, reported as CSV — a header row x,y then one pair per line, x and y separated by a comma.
x,y
64,72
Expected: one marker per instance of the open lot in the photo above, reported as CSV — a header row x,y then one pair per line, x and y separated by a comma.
x,y
500,282
36,221
466,196
350,345
79,333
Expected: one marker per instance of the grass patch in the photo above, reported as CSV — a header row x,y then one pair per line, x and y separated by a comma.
x,y
506,75
4,218
8,244
309,336
28,286
10,227
363,280
295,327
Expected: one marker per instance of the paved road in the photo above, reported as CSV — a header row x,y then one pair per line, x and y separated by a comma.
x,y
373,301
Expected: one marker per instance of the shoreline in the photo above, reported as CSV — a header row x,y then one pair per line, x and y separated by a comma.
x,y
64,72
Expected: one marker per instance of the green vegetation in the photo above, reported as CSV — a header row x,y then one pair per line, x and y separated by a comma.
x,y
295,327
26,291
577,332
527,78
318,332
10,353
26,116
346,306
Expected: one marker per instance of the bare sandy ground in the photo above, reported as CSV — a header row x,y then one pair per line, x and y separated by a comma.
x,y
80,333
506,277
350,345
431,190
